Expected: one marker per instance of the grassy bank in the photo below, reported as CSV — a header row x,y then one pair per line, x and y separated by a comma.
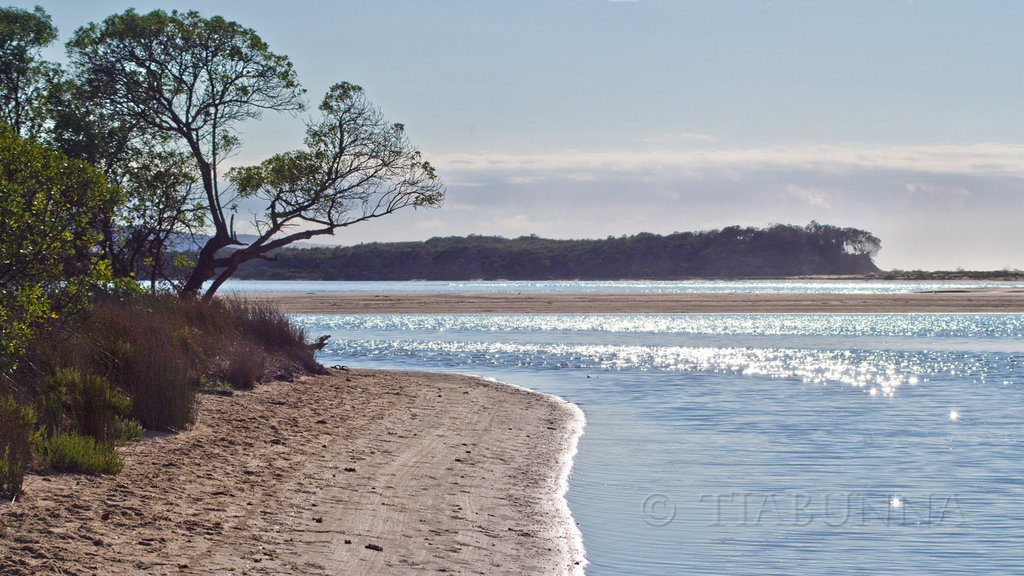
x,y
133,364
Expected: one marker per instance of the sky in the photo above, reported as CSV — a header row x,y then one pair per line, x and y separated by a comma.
x,y
597,118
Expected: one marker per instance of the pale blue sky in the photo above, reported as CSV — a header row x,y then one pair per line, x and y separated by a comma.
x,y
589,118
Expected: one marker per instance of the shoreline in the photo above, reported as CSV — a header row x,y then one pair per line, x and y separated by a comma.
x,y
355,472
1005,300
574,552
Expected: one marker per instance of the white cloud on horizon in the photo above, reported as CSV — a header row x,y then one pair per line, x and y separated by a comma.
x,y
989,159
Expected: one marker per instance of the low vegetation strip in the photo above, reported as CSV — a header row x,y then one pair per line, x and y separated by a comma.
x,y
129,364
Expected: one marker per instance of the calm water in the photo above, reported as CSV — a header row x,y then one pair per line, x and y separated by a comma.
x,y
760,444
703,286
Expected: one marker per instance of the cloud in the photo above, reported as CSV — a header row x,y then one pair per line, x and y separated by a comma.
x,y
938,196
813,197
515,225
990,159
525,179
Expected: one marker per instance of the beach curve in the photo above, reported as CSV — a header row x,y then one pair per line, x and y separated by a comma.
x,y
357,472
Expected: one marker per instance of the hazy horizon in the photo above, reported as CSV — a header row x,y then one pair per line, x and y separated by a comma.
x,y
596,118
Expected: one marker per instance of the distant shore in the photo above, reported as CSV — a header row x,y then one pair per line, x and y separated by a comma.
x,y
358,472
1006,300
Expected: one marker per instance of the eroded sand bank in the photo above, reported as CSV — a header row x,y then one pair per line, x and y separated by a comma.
x,y
358,472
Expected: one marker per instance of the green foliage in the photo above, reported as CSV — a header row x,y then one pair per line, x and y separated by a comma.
x,y
76,453
86,404
24,77
127,430
207,63
17,427
52,209
191,80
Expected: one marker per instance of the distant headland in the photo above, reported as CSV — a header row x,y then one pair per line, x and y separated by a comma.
x,y
731,253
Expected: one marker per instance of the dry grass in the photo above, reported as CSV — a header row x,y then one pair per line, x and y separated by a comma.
x,y
136,362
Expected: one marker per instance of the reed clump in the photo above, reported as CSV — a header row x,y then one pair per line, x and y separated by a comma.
x,y
134,363
17,435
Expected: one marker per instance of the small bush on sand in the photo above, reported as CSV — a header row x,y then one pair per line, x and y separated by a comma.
x,y
244,366
76,453
17,426
87,404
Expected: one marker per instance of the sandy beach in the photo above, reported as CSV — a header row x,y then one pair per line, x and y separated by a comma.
x,y
990,300
357,472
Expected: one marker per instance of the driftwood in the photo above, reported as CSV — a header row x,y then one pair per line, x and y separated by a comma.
x,y
320,342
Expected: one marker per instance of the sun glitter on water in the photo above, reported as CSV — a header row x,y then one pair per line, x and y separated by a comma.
x,y
954,415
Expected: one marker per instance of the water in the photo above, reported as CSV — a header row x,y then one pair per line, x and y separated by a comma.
x,y
618,286
760,443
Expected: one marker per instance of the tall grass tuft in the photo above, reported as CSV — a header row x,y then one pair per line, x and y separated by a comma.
x,y
271,331
17,426
133,343
244,365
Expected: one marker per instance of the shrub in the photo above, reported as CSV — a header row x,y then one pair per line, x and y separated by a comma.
x,y
244,366
86,404
272,332
17,425
137,343
76,453
127,430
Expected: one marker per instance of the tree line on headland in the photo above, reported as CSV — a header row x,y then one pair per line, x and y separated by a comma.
x,y
733,252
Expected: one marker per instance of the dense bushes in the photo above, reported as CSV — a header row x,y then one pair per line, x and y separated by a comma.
x,y
52,209
132,363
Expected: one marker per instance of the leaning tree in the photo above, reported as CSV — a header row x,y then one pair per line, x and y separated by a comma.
x,y
198,79
356,166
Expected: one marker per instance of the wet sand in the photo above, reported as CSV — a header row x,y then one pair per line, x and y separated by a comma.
x,y
357,472
990,300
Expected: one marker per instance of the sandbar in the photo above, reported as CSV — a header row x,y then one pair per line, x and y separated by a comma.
x,y
355,472
1005,300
